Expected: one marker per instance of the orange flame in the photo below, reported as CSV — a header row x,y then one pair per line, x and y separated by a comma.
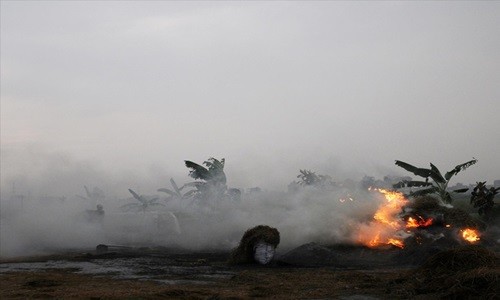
x,y
421,222
386,223
386,213
397,243
470,235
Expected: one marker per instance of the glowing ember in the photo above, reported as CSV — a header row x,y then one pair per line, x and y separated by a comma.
x,y
396,243
419,222
345,199
470,235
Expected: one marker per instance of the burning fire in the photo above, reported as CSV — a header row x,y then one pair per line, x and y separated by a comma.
x,y
387,212
384,228
470,235
419,222
389,228
396,242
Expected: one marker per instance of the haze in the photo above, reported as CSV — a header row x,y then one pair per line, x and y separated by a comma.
x,y
129,90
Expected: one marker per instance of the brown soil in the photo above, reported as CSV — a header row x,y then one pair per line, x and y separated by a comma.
x,y
279,281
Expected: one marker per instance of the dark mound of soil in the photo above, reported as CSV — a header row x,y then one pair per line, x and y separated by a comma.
x,y
310,254
344,256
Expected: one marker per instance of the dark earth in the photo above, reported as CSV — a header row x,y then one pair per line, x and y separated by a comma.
x,y
311,271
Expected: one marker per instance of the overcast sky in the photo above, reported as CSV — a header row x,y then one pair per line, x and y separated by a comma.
x,y
342,88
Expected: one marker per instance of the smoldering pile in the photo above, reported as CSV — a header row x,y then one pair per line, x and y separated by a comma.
x,y
431,228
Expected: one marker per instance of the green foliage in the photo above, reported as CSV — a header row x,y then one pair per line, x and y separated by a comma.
x,y
309,178
482,198
213,173
211,182
439,183
143,202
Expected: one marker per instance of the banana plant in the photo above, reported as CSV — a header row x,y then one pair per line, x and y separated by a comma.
x,y
213,173
176,192
309,178
438,184
482,198
142,204
212,176
96,195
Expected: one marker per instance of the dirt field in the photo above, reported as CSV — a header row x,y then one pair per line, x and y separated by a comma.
x,y
201,276
279,283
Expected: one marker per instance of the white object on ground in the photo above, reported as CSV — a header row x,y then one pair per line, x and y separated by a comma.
x,y
263,252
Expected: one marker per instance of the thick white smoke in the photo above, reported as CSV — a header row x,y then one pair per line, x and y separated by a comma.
x,y
45,207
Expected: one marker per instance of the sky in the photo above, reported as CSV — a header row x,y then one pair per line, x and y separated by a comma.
x,y
340,88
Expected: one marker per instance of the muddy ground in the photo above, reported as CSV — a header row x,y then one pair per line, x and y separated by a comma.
x,y
151,274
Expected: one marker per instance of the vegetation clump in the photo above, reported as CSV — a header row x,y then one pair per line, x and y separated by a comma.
x,y
143,202
212,181
243,254
482,199
430,206
308,178
176,192
467,271
459,259
439,183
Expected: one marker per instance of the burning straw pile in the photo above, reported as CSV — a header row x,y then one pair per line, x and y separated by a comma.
x,y
428,205
465,272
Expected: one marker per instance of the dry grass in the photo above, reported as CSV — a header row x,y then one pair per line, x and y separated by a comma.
x,y
463,272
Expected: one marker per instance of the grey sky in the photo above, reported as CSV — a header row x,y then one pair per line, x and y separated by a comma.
x,y
343,88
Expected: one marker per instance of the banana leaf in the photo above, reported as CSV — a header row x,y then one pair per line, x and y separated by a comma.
x,y
459,168
436,174
406,183
129,206
447,197
189,194
168,192
417,171
197,171
215,164
195,184
461,190
155,204
135,195
174,185
87,191
424,192
216,169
